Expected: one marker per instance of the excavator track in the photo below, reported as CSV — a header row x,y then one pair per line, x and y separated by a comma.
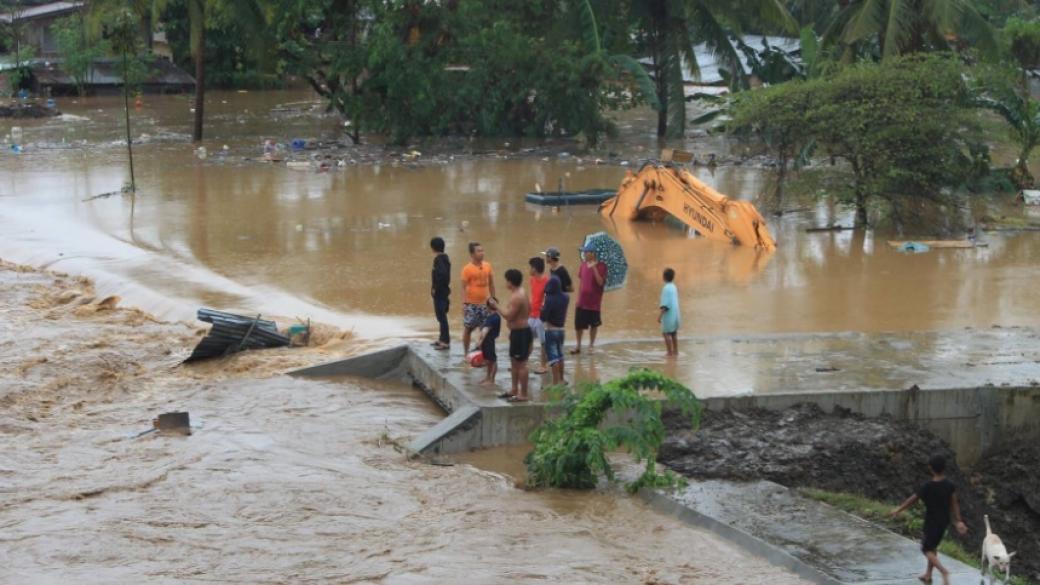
x,y
659,189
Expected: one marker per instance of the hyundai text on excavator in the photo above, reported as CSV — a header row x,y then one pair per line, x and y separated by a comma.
x,y
659,189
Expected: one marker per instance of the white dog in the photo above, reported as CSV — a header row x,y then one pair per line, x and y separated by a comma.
x,y
994,556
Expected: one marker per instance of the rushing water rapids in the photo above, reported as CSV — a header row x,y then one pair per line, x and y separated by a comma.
x,y
281,481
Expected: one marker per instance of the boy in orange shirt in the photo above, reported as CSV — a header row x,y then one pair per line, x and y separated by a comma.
x,y
478,286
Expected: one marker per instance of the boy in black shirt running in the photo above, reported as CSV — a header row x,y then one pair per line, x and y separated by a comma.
x,y
939,499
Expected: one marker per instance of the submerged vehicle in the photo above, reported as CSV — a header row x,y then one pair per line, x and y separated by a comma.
x,y
661,189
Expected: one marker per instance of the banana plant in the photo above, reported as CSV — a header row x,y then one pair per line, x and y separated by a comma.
x,y
668,31
1022,114
620,63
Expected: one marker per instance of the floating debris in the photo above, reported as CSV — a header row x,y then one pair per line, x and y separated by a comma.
x,y
233,333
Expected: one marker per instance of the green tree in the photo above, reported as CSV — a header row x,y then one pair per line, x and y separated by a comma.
x,y
77,49
622,65
235,57
898,126
14,36
1022,43
996,91
328,43
812,13
899,27
468,67
248,13
570,450
777,118
668,30
999,12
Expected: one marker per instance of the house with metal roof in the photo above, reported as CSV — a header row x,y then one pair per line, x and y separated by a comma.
x,y
33,25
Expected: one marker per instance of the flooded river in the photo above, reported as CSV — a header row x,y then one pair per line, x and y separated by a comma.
x,y
349,244
294,481
282,480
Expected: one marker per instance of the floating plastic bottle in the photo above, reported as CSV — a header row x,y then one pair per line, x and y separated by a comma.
x,y
200,152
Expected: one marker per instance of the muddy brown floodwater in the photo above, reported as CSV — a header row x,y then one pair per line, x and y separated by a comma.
x,y
350,246
281,481
294,481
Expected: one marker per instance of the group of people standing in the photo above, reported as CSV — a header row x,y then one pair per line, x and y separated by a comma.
x,y
540,314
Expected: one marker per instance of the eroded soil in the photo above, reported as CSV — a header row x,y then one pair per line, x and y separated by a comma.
x,y
880,458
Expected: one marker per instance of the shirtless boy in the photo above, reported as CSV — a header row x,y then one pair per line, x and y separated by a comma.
x,y
521,339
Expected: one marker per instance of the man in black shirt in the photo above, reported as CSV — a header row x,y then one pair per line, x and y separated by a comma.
x,y
940,499
552,257
441,289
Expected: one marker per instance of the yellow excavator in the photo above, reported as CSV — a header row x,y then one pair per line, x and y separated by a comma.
x,y
659,189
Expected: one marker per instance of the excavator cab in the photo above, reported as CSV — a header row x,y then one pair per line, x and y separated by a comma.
x,y
661,189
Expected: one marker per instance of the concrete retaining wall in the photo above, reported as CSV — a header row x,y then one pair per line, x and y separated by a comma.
x,y
971,420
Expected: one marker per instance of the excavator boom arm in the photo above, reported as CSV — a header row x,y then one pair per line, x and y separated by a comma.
x,y
658,189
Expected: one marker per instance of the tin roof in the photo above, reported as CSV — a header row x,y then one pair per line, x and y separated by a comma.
x,y
43,10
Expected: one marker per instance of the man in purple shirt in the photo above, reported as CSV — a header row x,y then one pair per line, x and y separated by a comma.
x,y
591,276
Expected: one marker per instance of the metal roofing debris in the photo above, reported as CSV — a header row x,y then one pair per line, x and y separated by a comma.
x,y
232,333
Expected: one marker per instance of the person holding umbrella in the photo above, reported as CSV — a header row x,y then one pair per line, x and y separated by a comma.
x,y
592,279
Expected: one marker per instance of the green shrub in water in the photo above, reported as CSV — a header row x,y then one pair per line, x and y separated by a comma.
x,y
570,450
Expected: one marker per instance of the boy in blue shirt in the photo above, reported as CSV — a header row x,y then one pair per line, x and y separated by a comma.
x,y
669,315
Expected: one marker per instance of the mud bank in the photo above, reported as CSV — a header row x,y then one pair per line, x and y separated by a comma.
x,y
281,481
880,459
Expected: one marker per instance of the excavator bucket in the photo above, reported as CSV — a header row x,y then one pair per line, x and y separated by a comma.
x,y
657,190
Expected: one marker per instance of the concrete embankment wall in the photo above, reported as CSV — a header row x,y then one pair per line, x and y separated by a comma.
x,y
972,420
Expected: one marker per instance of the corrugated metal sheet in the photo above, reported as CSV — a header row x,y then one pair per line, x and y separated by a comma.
x,y
232,333
41,11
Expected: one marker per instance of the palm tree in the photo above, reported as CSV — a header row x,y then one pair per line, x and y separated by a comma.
x,y
246,12
812,13
1022,114
621,64
910,26
668,31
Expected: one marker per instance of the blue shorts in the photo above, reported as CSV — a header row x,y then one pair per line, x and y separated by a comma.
x,y
554,346
473,316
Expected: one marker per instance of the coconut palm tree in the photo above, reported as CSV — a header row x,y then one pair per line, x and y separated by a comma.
x,y
909,26
668,30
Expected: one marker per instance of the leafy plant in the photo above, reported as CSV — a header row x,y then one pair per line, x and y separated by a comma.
x,y
900,27
899,125
777,119
668,30
1020,110
1022,43
77,49
570,450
